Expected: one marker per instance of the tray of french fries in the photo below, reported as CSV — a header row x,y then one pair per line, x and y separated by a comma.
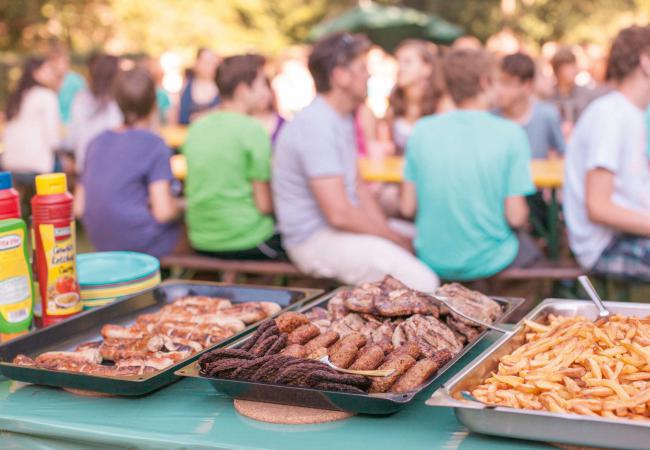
x,y
133,346
562,376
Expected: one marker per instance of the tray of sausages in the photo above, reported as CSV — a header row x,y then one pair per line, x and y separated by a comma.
x,y
134,346
304,357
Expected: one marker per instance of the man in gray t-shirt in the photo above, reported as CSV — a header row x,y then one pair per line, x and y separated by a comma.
x,y
319,142
330,224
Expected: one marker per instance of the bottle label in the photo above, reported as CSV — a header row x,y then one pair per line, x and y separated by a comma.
x,y
60,256
15,289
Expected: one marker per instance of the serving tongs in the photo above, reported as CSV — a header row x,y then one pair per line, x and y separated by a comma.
x,y
447,302
603,312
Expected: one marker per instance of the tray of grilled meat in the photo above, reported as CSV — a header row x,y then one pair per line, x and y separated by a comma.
x,y
385,328
563,376
133,346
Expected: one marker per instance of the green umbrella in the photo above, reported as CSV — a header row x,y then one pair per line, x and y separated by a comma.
x,y
387,26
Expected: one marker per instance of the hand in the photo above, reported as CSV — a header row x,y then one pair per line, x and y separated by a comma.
x,y
405,243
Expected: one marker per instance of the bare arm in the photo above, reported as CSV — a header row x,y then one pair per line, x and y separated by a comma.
x,y
262,196
341,214
368,203
164,206
408,200
516,211
79,200
599,186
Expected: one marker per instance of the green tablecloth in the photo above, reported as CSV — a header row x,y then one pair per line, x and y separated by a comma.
x,y
191,415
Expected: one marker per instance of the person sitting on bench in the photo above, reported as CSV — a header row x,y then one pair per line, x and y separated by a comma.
x,y
607,180
229,204
332,226
466,177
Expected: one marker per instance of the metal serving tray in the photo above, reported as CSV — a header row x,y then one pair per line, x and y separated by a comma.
x,y
536,425
338,401
86,327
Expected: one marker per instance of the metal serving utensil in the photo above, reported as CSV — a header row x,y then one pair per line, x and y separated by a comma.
x,y
603,312
446,301
468,396
368,373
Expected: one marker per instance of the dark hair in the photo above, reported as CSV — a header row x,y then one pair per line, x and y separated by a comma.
x,y
102,69
463,70
201,50
135,94
519,65
626,51
56,49
435,86
235,70
563,56
26,82
334,50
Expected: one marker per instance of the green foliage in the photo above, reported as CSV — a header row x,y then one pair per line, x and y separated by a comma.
x,y
270,25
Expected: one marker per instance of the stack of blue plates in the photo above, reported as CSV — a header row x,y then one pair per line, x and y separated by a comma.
x,y
107,276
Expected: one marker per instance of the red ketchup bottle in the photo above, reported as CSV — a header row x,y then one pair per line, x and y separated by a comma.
x,y
55,248
9,198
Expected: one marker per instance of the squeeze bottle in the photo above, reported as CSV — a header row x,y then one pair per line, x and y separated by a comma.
x,y
9,199
55,248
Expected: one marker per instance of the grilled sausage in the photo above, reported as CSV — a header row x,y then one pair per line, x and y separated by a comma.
x,y
289,321
324,340
296,350
344,355
356,339
303,334
416,375
400,363
410,348
369,358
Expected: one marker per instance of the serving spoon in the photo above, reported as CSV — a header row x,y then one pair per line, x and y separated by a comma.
x,y
603,312
368,373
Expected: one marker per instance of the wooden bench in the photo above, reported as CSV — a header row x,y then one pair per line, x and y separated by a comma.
x,y
545,270
229,269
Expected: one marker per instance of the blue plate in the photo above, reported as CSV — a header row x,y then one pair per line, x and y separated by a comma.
x,y
107,268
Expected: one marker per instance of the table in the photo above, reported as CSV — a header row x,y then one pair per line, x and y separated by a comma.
x,y
549,174
191,415
546,174
174,135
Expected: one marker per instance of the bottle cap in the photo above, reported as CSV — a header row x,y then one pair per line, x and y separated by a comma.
x,y
51,184
5,181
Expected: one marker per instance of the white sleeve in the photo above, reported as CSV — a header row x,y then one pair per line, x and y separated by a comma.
x,y
605,141
51,120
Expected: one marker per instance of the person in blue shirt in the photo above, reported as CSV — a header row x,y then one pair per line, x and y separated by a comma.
x,y
515,96
466,176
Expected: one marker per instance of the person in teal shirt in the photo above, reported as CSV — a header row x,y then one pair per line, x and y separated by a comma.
x,y
72,83
466,176
647,130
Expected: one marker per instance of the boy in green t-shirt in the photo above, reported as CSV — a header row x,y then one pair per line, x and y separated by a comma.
x,y
467,174
228,153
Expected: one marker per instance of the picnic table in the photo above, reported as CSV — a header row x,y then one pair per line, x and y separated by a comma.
x,y
546,173
191,415
174,135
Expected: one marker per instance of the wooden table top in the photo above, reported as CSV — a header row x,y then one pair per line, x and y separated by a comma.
x,y
545,173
